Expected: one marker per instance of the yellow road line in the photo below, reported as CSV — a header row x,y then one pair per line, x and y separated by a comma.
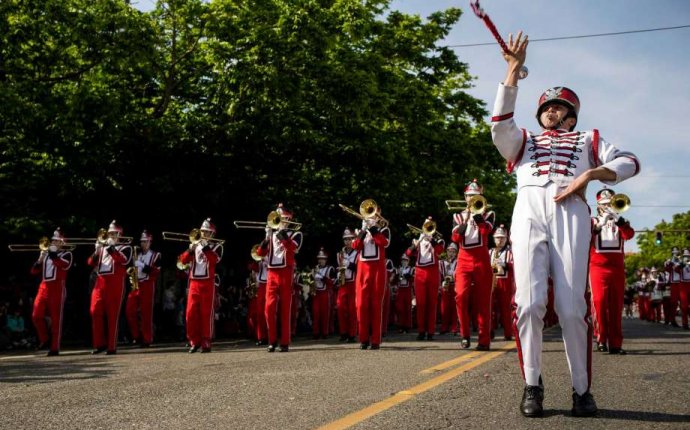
x,y
450,363
405,395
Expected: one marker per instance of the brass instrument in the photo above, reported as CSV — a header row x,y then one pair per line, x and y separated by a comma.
x,y
42,245
620,203
252,286
308,282
368,209
101,238
476,205
273,221
496,268
193,236
447,280
428,228
182,266
342,268
132,271
255,254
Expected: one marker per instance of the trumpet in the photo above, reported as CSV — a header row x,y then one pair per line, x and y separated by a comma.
x,y
101,238
42,245
428,228
193,237
476,205
273,221
620,203
342,268
132,271
368,209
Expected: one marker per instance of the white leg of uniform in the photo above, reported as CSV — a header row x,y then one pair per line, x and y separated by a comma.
x,y
551,238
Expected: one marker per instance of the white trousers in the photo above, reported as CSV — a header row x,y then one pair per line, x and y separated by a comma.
x,y
551,238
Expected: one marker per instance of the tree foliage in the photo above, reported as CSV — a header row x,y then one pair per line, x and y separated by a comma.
x,y
225,108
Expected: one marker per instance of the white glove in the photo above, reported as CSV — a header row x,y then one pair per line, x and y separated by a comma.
x,y
52,248
269,232
42,256
370,222
97,247
203,243
110,241
364,224
140,264
318,276
192,246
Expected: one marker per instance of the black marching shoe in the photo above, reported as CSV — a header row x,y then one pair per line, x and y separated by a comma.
x,y
675,324
111,352
482,347
532,399
583,405
507,338
271,347
686,327
41,346
343,338
375,346
465,342
193,349
205,350
617,351
52,353
421,336
98,350
284,348
430,336
364,345
601,347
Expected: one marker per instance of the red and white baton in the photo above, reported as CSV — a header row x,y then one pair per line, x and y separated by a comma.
x,y
492,28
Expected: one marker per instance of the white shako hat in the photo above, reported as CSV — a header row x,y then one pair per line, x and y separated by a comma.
x,y
146,236
58,235
501,231
473,188
604,196
347,234
322,254
114,227
208,225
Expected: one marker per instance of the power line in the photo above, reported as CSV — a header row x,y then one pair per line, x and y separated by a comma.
x,y
581,36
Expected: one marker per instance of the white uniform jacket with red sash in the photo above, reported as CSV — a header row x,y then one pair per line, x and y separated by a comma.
x,y
324,278
54,270
281,252
349,261
152,265
370,249
557,156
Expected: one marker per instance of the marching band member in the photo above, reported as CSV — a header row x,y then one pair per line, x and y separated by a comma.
x,y
449,313
110,261
52,265
280,247
672,296
504,284
140,301
473,271
324,279
403,300
261,275
203,256
607,272
643,294
347,310
684,290
551,227
658,282
370,281
426,249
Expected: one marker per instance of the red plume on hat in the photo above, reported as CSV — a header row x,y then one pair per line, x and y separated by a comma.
x,y
208,225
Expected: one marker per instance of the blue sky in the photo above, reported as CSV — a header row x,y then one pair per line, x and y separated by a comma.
x,y
634,88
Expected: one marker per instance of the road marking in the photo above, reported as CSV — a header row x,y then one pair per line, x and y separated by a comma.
x,y
450,363
405,395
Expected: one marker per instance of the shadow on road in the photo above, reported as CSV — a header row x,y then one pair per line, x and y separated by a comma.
x,y
44,371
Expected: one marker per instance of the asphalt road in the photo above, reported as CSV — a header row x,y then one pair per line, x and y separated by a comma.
x,y
405,385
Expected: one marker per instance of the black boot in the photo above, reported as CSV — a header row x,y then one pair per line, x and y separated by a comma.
x,y
99,350
584,405
284,348
271,347
343,338
532,399
52,353
421,336
617,351
482,347
601,347
465,342
375,346
193,349
364,345
430,336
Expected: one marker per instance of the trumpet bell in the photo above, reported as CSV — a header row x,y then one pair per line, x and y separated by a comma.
x,y
368,208
429,227
273,220
477,204
620,203
255,253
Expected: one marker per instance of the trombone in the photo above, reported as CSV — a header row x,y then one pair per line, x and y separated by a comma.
x,y
476,205
193,237
42,245
368,209
273,221
102,238
428,228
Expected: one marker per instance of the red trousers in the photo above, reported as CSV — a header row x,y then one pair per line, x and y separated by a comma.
x,y
426,281
474,289
279,293
140,303
320,311
669,308
347,310
643,306
106,301
200,315
608,285
675,298
449,313
49,303
260,328
386,309
403,308
684,296
370,283
503,296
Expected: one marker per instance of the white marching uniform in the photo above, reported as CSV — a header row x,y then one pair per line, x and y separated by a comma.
x,y
550,238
